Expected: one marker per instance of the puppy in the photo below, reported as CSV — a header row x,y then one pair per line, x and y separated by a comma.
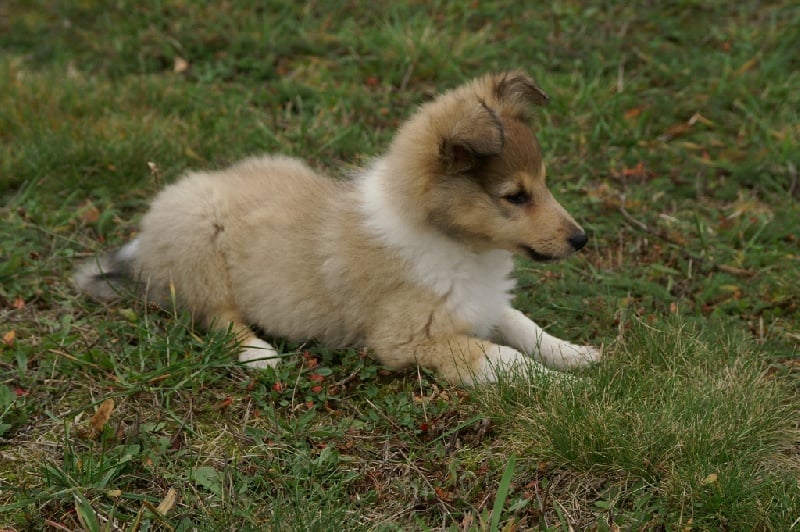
x,y
411,258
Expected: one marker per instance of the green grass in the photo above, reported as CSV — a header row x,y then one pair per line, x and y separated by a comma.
x,y
672,136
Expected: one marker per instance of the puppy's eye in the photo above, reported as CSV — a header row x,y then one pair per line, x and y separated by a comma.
x,y
518,198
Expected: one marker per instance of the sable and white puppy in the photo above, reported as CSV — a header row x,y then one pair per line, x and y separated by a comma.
x,y
411,258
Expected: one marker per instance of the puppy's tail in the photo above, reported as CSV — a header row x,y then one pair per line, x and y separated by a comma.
x,y
110,276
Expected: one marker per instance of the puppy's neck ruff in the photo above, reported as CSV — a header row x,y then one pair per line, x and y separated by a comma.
x,y
476,285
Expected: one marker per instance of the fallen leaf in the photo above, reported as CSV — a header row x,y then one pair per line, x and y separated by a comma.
x,y
633,113
88,213
18,303
167,503
677,130
114,493
636,171
710,479
10,337
180,64
225,403
101,417
443,495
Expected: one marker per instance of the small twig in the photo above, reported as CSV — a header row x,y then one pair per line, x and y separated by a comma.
x,y
631,219
349,378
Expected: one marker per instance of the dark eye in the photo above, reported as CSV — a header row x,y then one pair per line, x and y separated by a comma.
x,y
518,198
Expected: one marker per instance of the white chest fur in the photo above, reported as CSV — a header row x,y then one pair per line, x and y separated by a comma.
x,y
476,286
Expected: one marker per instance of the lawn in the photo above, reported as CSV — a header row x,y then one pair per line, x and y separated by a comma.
x,y
672,135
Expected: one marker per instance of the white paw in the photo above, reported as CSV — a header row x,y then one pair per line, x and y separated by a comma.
x,y
567,356
258,354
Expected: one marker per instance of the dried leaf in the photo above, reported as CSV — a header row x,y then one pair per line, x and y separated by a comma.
x,y
442,494
10,337
180,65
710,479
101,417
18,303
167,503
310,360
225,403
88,213
637,171
633,113
677,130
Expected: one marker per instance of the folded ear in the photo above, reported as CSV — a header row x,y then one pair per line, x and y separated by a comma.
x,y
517,89
478,133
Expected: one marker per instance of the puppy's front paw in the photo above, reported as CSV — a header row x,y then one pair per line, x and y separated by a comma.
x,y
569,356
258,354
589,354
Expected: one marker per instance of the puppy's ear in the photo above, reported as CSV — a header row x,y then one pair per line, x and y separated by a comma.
x,y
478,133
518,90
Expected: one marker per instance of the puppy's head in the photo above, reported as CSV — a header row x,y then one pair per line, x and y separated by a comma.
x,y
478,173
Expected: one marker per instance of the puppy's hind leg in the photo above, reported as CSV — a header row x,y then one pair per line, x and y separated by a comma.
x,y
254,352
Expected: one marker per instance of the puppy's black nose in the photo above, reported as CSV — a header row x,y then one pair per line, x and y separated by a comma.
x,y
578,240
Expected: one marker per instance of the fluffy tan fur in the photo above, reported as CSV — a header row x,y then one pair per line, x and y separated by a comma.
x,y
410,258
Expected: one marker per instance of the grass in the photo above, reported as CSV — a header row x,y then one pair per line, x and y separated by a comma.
x,y
671,135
